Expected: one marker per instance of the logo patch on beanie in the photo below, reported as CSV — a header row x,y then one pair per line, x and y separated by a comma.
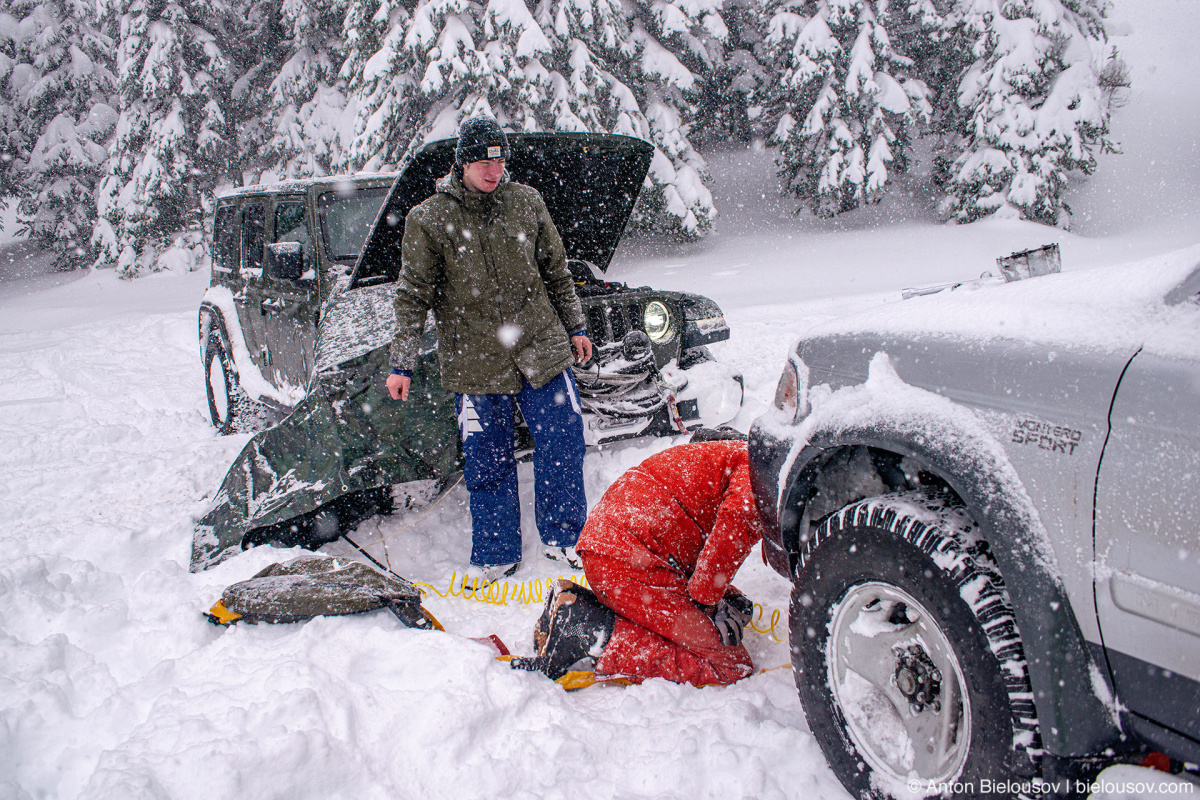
x,y
494,152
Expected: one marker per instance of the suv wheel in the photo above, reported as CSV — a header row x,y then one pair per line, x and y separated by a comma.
x,y
906,654
229,407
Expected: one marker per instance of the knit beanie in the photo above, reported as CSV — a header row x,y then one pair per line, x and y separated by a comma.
x,y
479,139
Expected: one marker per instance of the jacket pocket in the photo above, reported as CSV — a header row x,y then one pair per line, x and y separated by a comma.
x,y
520,239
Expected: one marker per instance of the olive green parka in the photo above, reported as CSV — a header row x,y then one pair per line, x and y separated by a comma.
x,y
493,269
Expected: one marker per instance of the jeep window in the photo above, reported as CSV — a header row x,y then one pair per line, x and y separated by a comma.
x,y
225,240
253,234
346,218
291,227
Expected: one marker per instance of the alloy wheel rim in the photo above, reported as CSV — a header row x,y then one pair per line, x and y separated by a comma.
x,y
899,684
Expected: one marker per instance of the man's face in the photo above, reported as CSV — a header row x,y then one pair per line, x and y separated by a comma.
x,y
483,176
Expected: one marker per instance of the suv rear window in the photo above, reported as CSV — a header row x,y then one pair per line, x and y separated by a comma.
x,y
346,218
254,235
225,240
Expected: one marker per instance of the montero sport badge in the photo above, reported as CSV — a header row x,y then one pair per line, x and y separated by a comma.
x,y
1055,438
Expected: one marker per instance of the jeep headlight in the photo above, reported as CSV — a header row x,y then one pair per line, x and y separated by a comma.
x,y
657,321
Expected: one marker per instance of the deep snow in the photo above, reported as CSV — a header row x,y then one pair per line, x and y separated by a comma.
x,y
112,685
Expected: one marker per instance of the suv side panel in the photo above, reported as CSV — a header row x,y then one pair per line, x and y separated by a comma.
x,y
291,307
1148,561
249,297
1047,409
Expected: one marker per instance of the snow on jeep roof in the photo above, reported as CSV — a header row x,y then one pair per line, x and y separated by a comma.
x,y
1110,308
299,185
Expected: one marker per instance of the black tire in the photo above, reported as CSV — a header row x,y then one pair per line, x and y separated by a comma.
x,y
229,407
887,649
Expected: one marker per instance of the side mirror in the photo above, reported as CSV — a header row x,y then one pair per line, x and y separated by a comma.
x,y
285,261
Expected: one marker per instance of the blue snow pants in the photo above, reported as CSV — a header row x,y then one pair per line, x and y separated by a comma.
x,y
485,422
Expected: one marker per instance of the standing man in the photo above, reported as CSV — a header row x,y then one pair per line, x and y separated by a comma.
x,y
484,255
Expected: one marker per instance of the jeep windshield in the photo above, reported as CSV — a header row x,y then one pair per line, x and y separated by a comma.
x,y
346,217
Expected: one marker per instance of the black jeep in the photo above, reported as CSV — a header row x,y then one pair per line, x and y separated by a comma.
x,y
295,328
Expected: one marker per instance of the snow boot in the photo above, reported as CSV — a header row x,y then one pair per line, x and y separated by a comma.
x,y
564,555
494,573
571,633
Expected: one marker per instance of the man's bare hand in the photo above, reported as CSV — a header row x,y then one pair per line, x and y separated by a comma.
x,y
581,346
397,386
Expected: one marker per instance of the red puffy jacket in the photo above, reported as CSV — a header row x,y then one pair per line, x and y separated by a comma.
x,y
666,538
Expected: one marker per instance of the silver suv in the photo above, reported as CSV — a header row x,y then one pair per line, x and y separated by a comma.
x,y
987,502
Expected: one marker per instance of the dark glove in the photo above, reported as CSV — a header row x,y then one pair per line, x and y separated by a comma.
x,y
731,617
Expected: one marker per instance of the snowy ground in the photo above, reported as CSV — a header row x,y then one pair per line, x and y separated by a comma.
x,y
112,685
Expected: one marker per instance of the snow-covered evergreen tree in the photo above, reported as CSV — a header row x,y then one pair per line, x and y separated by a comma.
x,y
711,70
674,41
250,35
568,65
729,104
619,78
1029,110
14,75
446,60
13,145
588,37
171,145
307,120
60,87
848,99
420,57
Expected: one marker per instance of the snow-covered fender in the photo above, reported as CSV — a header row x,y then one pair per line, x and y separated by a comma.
x,y
210,319
345,436
802,471
219,312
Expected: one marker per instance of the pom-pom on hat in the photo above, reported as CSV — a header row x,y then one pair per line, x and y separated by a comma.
x,y
479,139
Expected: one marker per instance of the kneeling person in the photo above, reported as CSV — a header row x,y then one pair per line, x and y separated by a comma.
x,y
659,551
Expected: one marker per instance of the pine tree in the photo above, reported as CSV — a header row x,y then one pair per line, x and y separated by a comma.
x,y
728,107
364,26
172,144
251,37
306,120
419,56
1030,110
601,54
15,74
675,42
569,65
61,84
848,102
587,36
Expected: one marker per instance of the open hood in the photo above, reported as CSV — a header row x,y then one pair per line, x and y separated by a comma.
x,y
590,182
